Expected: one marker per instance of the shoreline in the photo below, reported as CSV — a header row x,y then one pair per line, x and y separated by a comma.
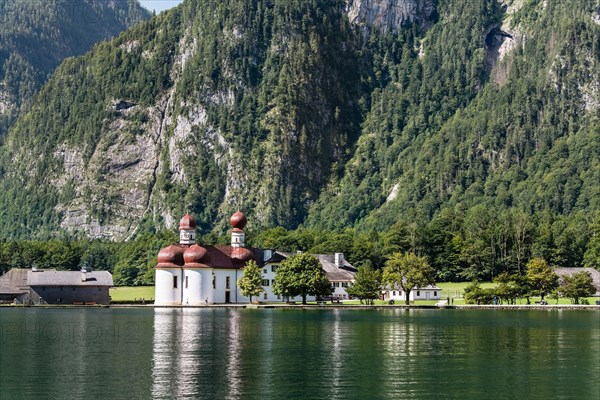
x,y
525,307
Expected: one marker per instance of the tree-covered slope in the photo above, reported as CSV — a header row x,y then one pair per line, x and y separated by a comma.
x,y
36,36
500,107
205,108
327,113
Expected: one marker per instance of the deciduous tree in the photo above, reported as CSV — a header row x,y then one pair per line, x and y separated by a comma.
x,y
541,277
408,271
578,285
250,283
301,275
366,286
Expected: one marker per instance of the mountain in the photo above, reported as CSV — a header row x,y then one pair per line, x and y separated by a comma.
x,y
327,113
500,107
36,36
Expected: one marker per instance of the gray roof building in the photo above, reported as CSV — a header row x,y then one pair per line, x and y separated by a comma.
x,y
570,271
14,282
31,286
69,278
335,265
337,270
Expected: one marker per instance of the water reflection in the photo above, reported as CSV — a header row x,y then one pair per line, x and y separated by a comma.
x,y
234,353
338,354
197,354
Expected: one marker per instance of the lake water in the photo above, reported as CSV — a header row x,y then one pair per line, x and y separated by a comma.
x,y
298,354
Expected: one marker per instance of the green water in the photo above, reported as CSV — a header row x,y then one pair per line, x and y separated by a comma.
x,y
294,354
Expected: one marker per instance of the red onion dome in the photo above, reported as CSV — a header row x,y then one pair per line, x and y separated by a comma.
x,y
242,254
238,220
187,222
195,256
170,257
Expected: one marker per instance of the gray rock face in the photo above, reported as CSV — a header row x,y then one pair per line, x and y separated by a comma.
x,y
389,14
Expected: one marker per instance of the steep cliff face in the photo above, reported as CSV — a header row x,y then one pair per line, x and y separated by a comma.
x,y
389,15
204,109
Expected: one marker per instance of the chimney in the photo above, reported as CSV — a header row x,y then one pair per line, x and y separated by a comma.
x,y
339,260
267,254
83,275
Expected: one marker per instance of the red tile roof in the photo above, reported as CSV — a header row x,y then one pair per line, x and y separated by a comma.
x,y
226,257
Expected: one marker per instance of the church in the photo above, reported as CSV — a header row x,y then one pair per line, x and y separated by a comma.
x,y
190,274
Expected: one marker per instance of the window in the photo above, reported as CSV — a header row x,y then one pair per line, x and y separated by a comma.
x,y
186,282
214,282
393,293
265,282
434,293
265,296
174,282
274,268
264,271
418,292
227,283
344,284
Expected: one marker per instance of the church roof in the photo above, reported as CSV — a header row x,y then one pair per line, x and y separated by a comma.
x,y
238,220
187,222
229,257
225,257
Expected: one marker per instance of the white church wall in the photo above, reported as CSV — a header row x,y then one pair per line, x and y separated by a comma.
x,y
192,287
168,286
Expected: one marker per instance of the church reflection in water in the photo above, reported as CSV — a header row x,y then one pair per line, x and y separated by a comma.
x,y
196,354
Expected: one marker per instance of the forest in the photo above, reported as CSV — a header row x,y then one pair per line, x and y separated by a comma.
x,y
479,245
469,137
36,36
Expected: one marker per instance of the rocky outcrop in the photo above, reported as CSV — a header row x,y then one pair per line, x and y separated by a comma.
x,y
389,15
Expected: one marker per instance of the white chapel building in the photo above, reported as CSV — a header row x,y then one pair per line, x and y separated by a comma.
x,y
190,274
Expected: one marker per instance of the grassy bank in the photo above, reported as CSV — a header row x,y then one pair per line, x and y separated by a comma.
x,y
131,293
454,290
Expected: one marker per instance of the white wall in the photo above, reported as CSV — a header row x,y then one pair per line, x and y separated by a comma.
x,y
415,294
220,289
164,292
192,292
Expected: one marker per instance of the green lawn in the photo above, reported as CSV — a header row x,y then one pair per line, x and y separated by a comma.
x,y
456,289
128,293
453,290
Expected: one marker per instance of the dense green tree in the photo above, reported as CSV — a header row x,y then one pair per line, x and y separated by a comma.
x,y
475,294
407,271
366,286
592,253
542,278
507,288
577,285
373,142
250,283
36,36
301,275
